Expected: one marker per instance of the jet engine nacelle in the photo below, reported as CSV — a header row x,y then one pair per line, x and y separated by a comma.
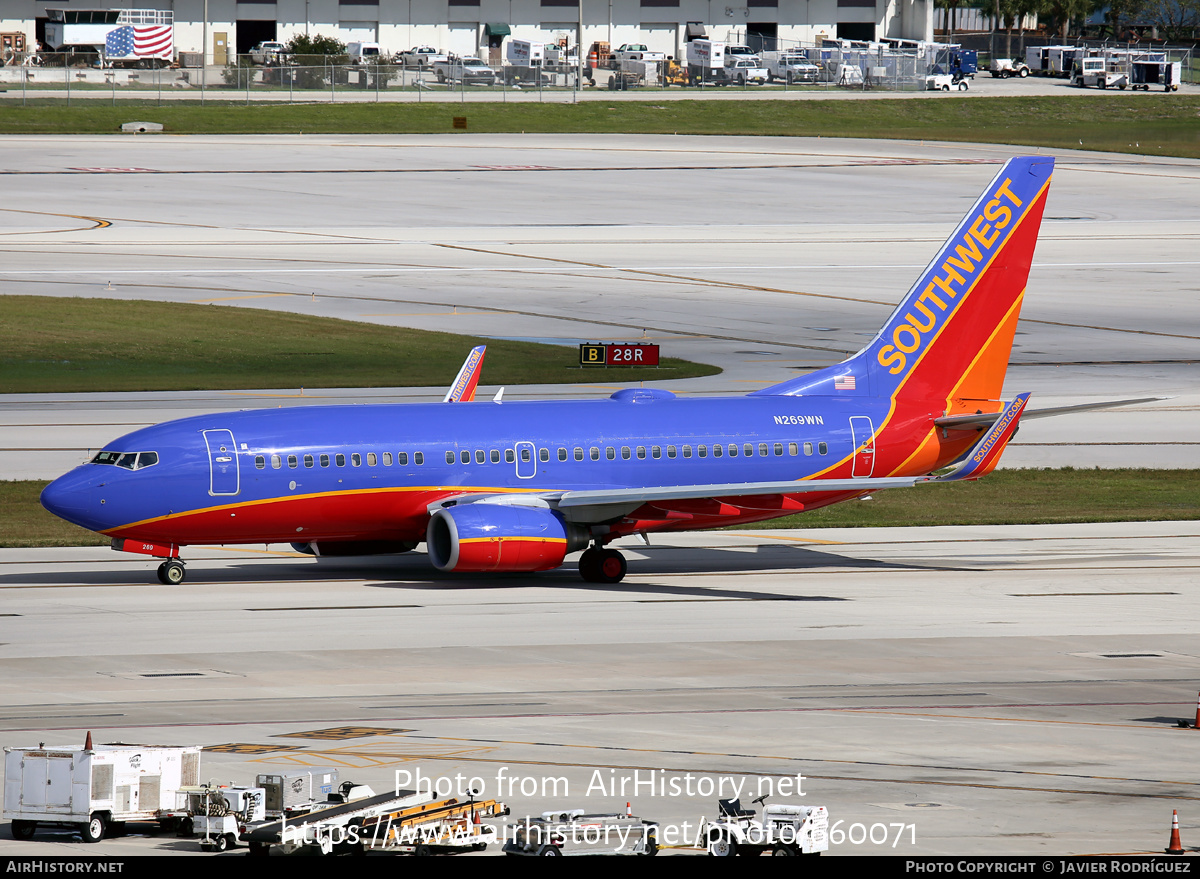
x,y
499,537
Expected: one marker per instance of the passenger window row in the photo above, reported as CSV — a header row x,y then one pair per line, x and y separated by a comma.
x,y
732,450
356,459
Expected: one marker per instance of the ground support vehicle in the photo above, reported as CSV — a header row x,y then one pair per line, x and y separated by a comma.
x,y
790,67
944,82
297,790
469,71
335,826
1100,72
573,832
1003,68
706,62
114,37
96,789
219,815
785,830
439,827
267,52
1157,73
674,73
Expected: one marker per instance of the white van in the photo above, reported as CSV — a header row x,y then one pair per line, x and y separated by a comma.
x,y
363,53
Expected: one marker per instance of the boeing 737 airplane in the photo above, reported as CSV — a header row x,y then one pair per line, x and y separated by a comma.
x,y
517,486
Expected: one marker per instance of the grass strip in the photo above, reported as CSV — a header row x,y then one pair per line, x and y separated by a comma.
x,y
53,345
1006,497
1020,497
1151,124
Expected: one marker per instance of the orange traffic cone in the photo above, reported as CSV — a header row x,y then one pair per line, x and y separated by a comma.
x,y
87,745
1196,725
628,810
1175,848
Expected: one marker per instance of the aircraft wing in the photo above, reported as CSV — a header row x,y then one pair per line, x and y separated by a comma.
x,y
463,388
604,497
983,419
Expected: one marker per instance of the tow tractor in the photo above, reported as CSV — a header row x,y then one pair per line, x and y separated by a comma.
x,y
785,830
943,82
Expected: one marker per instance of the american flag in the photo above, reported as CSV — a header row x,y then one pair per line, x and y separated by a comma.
x,y
142,42
843,383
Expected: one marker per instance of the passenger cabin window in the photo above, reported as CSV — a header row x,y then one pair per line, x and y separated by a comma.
x,y
509,456
543,455
276,462
324,460
822,448
480,457
449,457
340,460
808,448
778,450
702,451
402,458
733,450
610,453
387,459
292,462
578,453
594,453
372,460
356,459
419,458
687,451
260,462
309,461
626,452
793,449
464,456
656,451
526,457
670,451
717,451
562,454
641,453
494,456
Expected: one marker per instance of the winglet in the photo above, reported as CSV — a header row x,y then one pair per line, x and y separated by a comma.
x,y
985,455
463,388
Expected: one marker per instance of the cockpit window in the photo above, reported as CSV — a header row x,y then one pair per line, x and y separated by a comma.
x,y
128,460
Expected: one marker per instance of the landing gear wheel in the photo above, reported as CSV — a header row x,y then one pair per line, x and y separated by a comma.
x,y
171,573
611,567
93,830
589,565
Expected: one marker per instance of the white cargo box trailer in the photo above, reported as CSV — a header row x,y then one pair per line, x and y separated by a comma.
x,y
523,53
93,789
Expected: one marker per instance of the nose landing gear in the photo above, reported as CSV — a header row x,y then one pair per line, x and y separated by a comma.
x,y
171,572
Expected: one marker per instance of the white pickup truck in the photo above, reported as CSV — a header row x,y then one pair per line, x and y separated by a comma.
x,y
267,52
790,67
469,71
422,56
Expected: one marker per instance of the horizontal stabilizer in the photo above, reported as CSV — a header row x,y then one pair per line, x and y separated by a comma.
x,y
985,454
983,419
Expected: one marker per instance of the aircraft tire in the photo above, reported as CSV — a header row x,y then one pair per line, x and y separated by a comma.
x,y
589,565
171,573
611,566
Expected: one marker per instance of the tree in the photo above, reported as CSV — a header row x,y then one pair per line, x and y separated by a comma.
x,y
316,57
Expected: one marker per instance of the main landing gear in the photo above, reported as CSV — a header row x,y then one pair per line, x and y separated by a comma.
x,y
171,572
598,565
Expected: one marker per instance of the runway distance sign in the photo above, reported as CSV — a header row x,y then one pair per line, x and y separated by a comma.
x,y
617,354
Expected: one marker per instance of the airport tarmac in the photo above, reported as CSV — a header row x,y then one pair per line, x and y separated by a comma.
x,y
989,690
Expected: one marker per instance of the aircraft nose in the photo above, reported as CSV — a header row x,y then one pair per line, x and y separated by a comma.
x,y
70,497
